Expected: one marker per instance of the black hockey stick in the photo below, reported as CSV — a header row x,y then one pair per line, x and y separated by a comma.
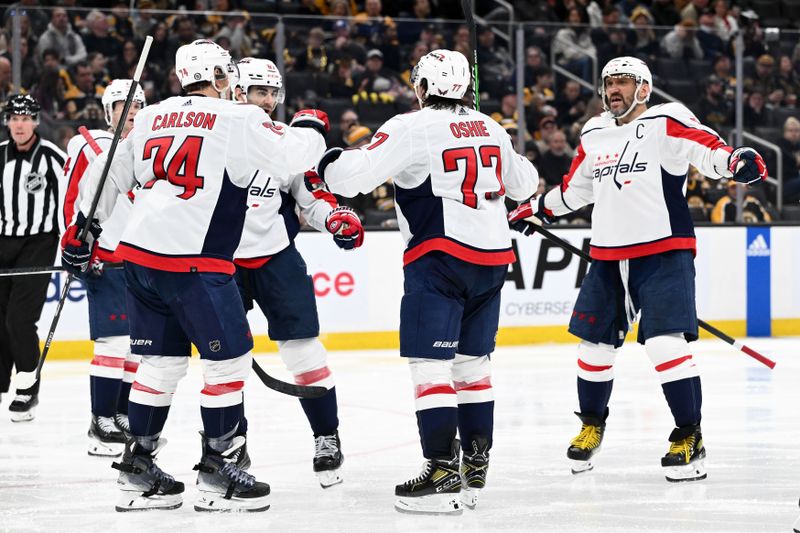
x,y
290,389
547,234
82,236
29,271
469,16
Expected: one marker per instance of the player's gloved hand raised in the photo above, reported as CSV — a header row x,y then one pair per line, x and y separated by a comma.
x,y
747,166
344,224
330,155
529,214
312,118
77,256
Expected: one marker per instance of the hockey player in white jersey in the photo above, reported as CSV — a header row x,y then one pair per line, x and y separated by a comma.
x,y
193,157
113,366
451,167
272,272
632,163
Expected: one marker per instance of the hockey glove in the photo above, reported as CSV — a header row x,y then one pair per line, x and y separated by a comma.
x,y
344,224
312,118
77,256
747,166
529,214
328,157
313,181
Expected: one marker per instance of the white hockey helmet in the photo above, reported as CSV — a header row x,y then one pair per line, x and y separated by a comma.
x,y
632,67
446,71
260,73
204,60
117,91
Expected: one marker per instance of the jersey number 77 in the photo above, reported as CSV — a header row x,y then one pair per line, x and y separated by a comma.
x,y
470,156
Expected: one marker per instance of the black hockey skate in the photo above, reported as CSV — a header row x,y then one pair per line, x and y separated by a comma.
x,y
143,485
328,459
123,424
685,460
587,443
223,485
105,437
23,408
436,490
474,467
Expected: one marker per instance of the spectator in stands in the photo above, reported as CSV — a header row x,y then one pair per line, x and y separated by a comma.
x,y
25,30
408,31
593,108
681,42
495,61
344,46
49,91
556,159
371,24
710,42
508,106
693,9
235,29
665,13
347,120
343,80
390,47
543,88
753,34
32,17
420,49
82,100
713,109
547,127
725,209
534,63
765,81
171,86
96,38
60,36
30,69
722,69
6,89
183,32
160,48
125,63
376,78
755,112
98,63
120,22
315,57
570,104
788,81
790,148
647,43
725,23
573,47
461,40
610,40
143,20
696,188
339,8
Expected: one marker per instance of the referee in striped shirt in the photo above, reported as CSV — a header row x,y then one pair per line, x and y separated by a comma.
x,y
30,190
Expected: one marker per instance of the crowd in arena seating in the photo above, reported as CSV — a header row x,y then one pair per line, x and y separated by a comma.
x,y
356,64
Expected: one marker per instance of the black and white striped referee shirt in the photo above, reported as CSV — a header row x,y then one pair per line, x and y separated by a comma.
x,y
31,189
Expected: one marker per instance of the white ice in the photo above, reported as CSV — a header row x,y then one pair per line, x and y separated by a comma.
x,y
750,425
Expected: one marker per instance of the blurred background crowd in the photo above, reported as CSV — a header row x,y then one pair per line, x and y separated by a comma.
x,y
353,59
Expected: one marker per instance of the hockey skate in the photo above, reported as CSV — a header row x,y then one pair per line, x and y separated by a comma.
x,y
23,408
436,490
685,460
474,467
224,486
586,445
143,485
105,438
328,460
123,424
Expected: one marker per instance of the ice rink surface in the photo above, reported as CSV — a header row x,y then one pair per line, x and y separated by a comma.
x,y
750,426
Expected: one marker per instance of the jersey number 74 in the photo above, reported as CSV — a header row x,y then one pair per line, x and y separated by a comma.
x,y
181,170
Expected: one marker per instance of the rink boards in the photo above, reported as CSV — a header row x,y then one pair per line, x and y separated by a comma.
x,y
747,284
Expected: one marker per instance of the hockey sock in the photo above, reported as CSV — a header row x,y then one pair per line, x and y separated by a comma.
x,y
131,366
146,420
472,380
475,419
322,413
151,394
222,400
437,429
593,396
436,406
104,393
106,373
685,399
221,421
122,399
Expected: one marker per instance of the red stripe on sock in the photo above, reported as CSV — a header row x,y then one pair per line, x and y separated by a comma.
x,y
144,388
592,368
481,384
672,364
131,366
430,388
106,360
312,376
222,388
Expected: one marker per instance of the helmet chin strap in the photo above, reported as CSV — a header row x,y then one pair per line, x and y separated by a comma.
x,y
634,103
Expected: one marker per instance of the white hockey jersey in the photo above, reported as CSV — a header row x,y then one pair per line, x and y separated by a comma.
x,y
194,158
271,223
635,175
450,171
79,156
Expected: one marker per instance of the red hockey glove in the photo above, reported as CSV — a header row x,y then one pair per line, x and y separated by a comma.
x,y
312,118
344,224
77,256
529,214
747,166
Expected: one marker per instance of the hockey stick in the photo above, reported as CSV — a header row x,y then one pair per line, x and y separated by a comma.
x,y
32,271
702,323
82,236
290,389
90,140
469,16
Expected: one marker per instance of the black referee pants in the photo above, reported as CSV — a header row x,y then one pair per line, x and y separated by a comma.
x,y
21,302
